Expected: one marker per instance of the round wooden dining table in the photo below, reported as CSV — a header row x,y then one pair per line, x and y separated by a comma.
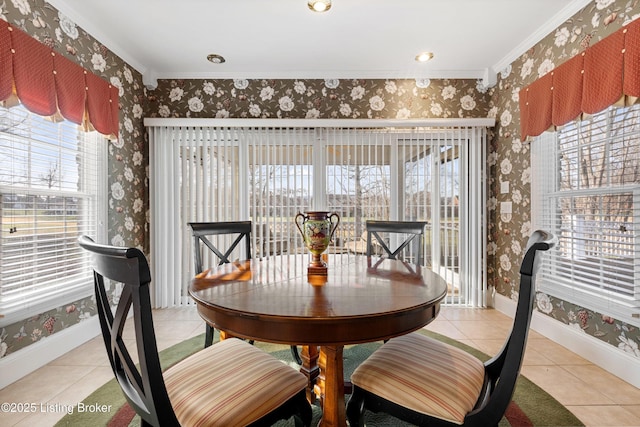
x,y
360,299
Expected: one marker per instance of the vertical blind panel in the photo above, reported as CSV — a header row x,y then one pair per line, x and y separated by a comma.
x,y
281,177
588,192
166,233
49,187
357,182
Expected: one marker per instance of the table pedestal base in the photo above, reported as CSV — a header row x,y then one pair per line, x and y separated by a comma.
x,y
310,369
330,388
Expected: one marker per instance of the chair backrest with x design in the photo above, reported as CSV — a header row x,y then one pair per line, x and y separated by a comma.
x,y
185,393
455,387
142,383
202,231
412,230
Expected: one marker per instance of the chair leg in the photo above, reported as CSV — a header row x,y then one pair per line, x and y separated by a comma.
x,y
306,414
355,409
296,354
208,338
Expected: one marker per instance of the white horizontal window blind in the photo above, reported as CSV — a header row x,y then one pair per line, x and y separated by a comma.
x,y
52,190
586,188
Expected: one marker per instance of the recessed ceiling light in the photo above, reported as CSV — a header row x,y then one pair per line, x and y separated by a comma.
x,y
215,58
319,5
424,56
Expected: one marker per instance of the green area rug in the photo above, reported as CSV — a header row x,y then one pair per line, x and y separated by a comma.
x,y
531,405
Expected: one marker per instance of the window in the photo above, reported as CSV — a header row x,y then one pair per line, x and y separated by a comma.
x,y
52,189
586,188
269,174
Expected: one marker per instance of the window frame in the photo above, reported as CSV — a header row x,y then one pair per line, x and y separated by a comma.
x,y
546,171
166,136
88,145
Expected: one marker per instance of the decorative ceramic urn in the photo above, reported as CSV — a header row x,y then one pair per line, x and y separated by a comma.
x,y
317,228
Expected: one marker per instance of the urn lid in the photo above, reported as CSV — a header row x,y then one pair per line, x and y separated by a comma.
x,y
317,212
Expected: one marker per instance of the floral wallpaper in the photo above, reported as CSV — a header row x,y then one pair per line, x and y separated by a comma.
x,y
509,160
328,98
127,163
315,99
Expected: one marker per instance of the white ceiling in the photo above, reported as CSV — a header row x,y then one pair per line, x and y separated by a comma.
x,y
284,39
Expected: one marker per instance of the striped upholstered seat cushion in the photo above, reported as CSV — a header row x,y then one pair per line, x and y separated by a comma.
x,y
424,375
231,383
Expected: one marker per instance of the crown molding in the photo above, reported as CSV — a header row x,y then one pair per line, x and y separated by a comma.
x,y
338,74
68,10
567,12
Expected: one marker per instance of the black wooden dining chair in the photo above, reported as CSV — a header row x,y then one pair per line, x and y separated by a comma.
x,y
424,381
202,233
222,385
231,230
410,248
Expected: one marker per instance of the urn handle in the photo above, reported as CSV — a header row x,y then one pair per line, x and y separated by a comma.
x,y
304,218
334,225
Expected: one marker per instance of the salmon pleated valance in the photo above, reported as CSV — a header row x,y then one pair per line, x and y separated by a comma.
x,y
48,84
605,74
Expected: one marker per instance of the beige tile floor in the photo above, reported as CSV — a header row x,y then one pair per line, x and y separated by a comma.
x,y
593,395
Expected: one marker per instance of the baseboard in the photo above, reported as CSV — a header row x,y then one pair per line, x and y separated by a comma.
x,y
598,352
23,362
